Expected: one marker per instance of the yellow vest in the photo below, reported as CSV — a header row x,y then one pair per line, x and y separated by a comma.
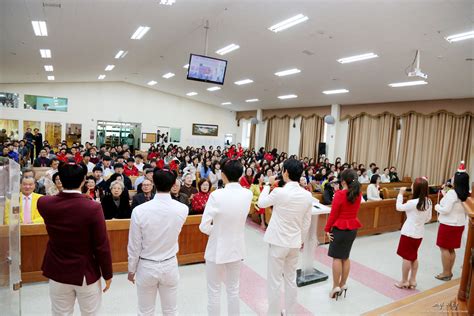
x,y
35,215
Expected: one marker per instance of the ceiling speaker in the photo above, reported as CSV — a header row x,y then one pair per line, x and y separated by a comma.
x,y
329,119
254,121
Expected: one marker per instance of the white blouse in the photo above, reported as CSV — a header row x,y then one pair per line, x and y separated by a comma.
x,y
384,178
450,209
414,225
364,179
215,177
373,193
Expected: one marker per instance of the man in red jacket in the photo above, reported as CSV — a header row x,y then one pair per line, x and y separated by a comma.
x,y
78,251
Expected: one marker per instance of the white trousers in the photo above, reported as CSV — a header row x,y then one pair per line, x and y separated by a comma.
x,y
229,274
153,277
282,265
63,297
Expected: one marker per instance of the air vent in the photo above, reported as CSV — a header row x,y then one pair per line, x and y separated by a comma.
x,y
469,59
51,5
307,52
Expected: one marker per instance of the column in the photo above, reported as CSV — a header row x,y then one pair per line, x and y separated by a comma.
x,y
332,133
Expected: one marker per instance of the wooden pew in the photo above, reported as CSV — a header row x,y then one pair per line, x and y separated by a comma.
x,y
34,238
40,172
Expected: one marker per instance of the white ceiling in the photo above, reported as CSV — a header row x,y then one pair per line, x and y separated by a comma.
x,y
85,35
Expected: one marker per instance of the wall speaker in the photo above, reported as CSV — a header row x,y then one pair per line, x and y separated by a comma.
x,y
321,149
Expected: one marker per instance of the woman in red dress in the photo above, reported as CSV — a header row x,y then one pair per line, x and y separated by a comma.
x,y
199,201
341,229
247,179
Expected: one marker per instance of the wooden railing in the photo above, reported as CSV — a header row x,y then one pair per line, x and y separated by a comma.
x,y
466,286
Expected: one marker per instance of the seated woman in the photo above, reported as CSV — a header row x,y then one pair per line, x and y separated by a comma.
x,y
187,188
329,190
247,179
373,193
363,178
216,174
116,204
198,203
56,187
205,169
385,177
91,190
256,188
393,175
146,195
179,196
304,184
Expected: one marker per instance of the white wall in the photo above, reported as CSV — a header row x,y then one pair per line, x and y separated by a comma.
x,y
118,101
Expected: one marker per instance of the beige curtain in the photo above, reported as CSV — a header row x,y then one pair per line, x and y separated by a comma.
x,y
372,139
253,129
433,145
278,133
312,132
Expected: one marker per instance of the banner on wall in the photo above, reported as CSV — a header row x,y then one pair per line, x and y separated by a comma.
x,y
37,102
162,135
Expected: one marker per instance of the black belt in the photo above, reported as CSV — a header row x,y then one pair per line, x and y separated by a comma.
x,y
158,261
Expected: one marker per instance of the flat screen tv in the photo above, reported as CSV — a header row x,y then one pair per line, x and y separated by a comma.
x,y
206,69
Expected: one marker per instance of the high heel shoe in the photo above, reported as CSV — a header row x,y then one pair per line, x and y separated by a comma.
x,y
402,285
335,293
344,289
412,286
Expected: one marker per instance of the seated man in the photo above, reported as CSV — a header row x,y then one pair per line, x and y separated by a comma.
x,y
146,195
118,168
39,186
178,196
28,203
42,160
130,170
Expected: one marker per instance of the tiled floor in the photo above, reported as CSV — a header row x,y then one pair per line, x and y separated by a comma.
x,y
375,266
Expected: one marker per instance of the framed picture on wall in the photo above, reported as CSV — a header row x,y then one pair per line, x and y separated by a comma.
x,y
8,100
148,138
205,129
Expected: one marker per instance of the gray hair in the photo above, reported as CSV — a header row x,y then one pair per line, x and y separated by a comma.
x,y
119,183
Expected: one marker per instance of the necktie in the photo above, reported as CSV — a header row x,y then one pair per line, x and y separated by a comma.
x,y
27,211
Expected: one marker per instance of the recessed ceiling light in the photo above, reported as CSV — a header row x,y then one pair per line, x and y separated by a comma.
x,y
283,25
168,75
140,32
227,49
245,81
121,54
335,91
101,77
186,66
190,94
407,83
39,27
167,2
287,72
226,103
50,77
48,67
152,83
288,96
251,100
460,37
109,67
213,88
45,53
351,59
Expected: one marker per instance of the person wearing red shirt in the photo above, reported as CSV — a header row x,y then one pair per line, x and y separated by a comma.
x,y
62,155
130,170
268,157
341,229
240,150
231,152
199,201
247,179
76,155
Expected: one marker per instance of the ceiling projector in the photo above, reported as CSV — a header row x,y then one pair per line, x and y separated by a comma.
x,y
415,70
417,73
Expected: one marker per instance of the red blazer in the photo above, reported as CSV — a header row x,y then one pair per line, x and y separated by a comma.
x,y
245,183
343,214
78,245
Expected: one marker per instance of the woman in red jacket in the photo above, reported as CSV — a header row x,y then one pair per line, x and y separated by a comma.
x,y
247,179
199,201
341,229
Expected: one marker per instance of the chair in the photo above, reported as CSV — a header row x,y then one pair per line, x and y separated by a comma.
x,y
132,193
133,179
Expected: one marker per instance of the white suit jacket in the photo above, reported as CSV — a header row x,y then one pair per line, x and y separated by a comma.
x,y
291,215
224,221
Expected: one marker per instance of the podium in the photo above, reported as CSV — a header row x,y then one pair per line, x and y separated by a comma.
x,y
309,274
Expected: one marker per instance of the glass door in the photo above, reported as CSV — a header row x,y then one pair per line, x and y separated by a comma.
x,y
10,276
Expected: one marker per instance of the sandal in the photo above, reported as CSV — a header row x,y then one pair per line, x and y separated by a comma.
x,y
412,286
401,285
444,278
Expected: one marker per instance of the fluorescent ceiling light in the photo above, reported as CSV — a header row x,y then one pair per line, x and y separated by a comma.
x,y
227,49
140,32
213,88
460,37
167,2
48,67
101,77
226,103
152,83
335,91
186,66
50,77
407,83
39,27
283,25
251,100
351,59
190,94
241,82
121,54
109,67
168,75
288,96
287,72
45,53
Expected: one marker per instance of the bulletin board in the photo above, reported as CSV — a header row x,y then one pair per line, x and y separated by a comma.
x,y
148,138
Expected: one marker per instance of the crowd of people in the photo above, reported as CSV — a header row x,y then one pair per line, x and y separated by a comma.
x,y
188,181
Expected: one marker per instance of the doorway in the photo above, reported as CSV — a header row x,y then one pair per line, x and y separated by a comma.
x,y
119,133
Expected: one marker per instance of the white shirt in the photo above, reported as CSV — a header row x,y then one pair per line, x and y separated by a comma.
x,y
214,177
291,216
224,221
154,229
364,179
139,166
414,225
90,166
385,178
450,209
373,193
139,180
107,171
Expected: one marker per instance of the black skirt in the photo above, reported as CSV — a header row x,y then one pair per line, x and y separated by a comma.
x,y
340,247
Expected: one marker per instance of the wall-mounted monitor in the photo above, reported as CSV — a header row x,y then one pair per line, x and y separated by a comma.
x,y
207,69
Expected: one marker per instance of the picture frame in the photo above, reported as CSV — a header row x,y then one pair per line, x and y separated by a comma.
x,y
205,129
148,138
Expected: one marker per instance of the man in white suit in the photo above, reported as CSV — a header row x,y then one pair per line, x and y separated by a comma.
x,y
224,221
288,227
